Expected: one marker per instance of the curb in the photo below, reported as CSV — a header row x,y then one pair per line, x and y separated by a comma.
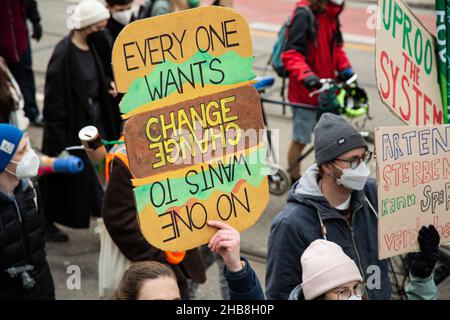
x,y
412,4
273,29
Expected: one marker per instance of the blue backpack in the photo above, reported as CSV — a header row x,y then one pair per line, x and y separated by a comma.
x,y
280,44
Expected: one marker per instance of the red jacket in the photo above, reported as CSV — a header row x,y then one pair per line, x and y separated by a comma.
x,y
307,54
13,30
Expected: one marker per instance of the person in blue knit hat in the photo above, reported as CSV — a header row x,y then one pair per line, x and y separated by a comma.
x,y
24,270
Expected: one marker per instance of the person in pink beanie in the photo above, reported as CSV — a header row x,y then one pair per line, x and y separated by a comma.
x,y
329,274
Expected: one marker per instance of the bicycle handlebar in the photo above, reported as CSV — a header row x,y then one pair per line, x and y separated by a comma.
x,y
327,83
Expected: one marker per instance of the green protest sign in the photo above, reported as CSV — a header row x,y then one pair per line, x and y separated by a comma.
x,y
441,34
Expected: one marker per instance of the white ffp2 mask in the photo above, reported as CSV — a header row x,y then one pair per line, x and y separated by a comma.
x,y
123,17
354,179
27,167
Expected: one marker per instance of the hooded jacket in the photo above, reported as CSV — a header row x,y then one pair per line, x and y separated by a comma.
x,y
308,52
299,224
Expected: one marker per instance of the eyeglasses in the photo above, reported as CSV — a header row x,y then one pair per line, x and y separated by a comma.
x,y
355,161
345,293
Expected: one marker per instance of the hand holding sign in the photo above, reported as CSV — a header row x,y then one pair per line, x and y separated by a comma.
x,y
226,242
423,262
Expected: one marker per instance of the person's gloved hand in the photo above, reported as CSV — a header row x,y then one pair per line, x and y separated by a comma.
x,y
37,31
423,262
345,74
312,82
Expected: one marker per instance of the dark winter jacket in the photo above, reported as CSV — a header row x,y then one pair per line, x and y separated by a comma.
x,y
308,52
298,224
103,42
32,11
121,221
244,284
22,243
13,30
69,199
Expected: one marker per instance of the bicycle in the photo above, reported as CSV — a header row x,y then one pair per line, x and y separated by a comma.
x,y
343,95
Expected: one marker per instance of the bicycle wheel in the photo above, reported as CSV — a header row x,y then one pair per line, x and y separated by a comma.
x,y
398,273
442,269
279,182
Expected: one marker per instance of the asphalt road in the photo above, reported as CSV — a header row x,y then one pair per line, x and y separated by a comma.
x,y
83,247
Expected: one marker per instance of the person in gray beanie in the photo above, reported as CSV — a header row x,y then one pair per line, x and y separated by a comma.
x,y
334,200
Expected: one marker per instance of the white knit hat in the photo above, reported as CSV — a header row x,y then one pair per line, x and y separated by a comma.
x,y
325,267
87,13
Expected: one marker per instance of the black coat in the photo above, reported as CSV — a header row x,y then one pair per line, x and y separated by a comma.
x,y
69,199
22,242
103,43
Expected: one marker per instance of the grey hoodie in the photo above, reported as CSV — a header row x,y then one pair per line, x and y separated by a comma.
x,y
299,224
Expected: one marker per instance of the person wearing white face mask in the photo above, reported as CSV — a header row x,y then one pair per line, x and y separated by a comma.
x,y
24,270
334,200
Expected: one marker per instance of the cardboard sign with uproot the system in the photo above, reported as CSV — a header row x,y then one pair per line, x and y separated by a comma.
x,y
413,173
406,66
193,130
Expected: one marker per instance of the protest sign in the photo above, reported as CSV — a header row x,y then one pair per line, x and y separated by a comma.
x,y
179,56
413,173
194,131
441,37
194,124
406,66
173,207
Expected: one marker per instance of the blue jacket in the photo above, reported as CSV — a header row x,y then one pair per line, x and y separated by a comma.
x,y
299,224
244,284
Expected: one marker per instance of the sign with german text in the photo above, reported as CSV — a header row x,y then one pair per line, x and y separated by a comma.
x,y
413,173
